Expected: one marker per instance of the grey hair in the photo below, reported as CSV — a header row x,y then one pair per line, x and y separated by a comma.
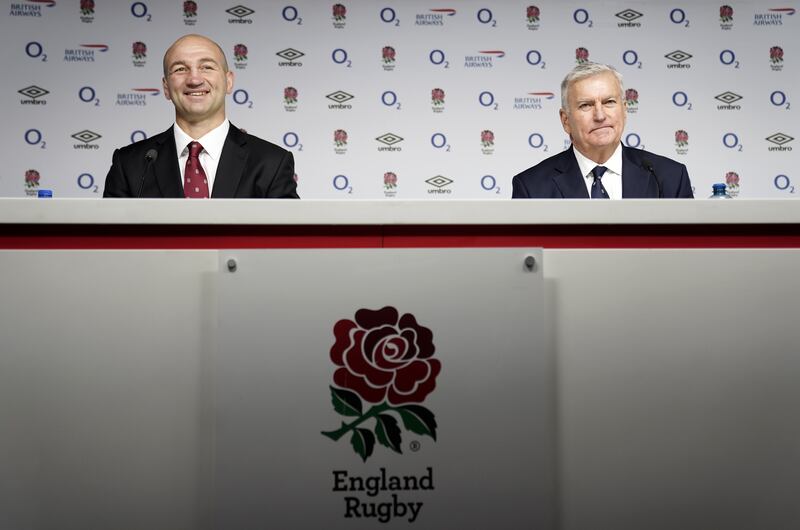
x,y
582,71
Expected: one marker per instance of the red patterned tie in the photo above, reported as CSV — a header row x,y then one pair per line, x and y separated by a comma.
x,y
195,183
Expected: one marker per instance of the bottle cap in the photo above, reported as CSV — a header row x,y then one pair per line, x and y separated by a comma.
x,y
45,194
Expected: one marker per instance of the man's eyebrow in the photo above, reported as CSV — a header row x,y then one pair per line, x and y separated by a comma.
x,y
181,62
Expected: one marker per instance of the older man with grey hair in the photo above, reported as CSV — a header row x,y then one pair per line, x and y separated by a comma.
x,y
597,165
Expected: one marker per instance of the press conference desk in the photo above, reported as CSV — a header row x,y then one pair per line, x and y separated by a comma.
x,y
673,328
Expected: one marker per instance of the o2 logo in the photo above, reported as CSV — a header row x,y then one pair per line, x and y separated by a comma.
x,y
86,182
779,99
34,137
536,141
290,14
681,100
34,50
485,16
634,140
581,16
137,136
439,141
88,95
489,183
139,10
339,56
678,16
486,99
291,140
731,141
389,99
631,58
342,183
241,97
438,58
728,58
783,183
389,16
534,58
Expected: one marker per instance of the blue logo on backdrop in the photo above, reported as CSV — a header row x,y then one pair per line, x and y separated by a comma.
x,y
779,99
485,16
389,16
137,97
681,99
84,54
534,58
486,99
35,137
34,50
139,10
290,14
728,58
631,58
536,141
339,56
389,98
292,140
434,17
581,16
731,141
489,183
634,140
438,58
439,141
484,59
31,8
783,183
342,183
137,136
86,182
678,16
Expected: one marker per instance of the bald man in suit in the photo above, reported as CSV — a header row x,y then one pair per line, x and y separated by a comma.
x,y
202,155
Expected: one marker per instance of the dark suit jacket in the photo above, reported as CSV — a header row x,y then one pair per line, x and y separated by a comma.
x,y
559,177
249,167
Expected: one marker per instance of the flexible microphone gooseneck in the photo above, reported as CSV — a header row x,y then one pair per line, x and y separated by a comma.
x,y
646,164
150,156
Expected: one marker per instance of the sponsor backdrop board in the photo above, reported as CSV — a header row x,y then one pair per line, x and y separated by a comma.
x,y
416,390
410,99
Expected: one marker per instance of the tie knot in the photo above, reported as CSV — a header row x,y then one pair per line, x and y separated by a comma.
x,y
194,149
598,171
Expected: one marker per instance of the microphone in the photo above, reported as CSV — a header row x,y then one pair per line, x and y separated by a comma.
x,y
646,164
150,156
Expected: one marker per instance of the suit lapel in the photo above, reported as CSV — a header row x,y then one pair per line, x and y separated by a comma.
x,y
168,174
231,164
637,183
568,178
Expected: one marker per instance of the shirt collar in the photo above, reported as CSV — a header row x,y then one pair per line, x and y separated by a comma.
x,y
212,141
613,164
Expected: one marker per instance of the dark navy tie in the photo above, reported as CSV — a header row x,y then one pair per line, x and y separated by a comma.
x,y
598,191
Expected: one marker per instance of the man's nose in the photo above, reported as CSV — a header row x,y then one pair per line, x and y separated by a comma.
x,y
599,112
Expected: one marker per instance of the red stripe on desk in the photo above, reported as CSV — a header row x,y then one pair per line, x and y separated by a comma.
x,y
53,236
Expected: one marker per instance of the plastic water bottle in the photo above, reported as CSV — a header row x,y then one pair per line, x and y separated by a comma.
x,y
719,192
45,194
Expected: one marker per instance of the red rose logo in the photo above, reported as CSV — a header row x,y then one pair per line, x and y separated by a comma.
x,y
240,52
32,178
533,14
388,54
726,14
87,7
290,95
389,180
190,9
732,179
139,50
340,137
681,138
631,96
487,138
386,360
776,54
339,12
581,55
437,96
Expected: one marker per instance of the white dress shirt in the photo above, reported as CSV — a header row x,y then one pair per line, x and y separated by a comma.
x,y
612,178
212,143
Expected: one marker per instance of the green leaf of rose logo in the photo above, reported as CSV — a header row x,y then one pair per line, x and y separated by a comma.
x,y
386,361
